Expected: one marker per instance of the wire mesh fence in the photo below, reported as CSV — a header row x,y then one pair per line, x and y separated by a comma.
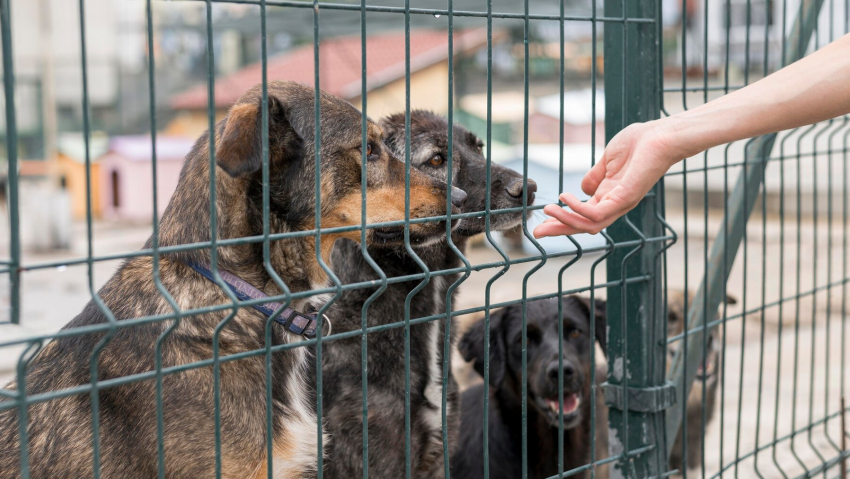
x,y
298,306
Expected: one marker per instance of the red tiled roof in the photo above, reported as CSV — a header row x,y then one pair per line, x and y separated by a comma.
x,y
340,65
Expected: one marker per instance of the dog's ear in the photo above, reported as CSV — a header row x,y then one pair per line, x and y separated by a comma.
x,y
239,147
393,126
601,319
471,346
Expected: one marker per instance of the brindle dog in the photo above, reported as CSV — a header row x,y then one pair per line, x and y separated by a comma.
x,y
386,372
705,383
60,430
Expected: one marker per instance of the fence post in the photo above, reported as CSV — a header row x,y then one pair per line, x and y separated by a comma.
x,y
12,163
635,391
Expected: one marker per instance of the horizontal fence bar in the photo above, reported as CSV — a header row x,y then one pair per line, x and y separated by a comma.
x,y
126,323
431,11
259,239
281,347
607,460
773,304
697,89
781,439
780,158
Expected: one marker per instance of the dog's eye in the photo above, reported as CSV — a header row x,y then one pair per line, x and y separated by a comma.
x,y
437,160
480,146
372,153
574,333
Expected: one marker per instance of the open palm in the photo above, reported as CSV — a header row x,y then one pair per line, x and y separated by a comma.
x,y
632,163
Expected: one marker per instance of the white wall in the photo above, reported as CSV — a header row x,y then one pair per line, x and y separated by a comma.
x,y
833,12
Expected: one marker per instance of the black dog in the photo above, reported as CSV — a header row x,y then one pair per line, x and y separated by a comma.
x,y
505,408
386,372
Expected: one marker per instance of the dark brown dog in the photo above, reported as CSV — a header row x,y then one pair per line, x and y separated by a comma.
x,y
60,430
386,373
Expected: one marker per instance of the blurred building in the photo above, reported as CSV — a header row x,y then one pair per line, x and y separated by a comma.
x,y
507,114
71,168
340,71
581,118
753,28
47,54
126,177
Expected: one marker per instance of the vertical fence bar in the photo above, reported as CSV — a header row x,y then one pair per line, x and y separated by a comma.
x,y
93,361
12,160
447,331
488,180
155,259
267,264
407,245
525,278
632,89
364,250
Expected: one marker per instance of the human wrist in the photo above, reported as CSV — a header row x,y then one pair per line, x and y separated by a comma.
x,y
669,136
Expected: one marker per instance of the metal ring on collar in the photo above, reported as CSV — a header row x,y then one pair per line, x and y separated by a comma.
x,y
330,326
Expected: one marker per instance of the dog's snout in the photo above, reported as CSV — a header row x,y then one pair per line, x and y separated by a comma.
x,y
458,195
514,189
532,189
552,370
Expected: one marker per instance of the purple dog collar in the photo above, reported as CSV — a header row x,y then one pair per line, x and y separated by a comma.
x,y
294,322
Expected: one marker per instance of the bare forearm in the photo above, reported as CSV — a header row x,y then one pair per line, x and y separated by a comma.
x,y
813,89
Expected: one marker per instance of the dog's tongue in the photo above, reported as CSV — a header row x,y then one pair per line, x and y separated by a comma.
x,y
571,402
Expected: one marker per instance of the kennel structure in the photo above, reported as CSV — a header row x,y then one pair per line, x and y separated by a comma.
x,y
732,204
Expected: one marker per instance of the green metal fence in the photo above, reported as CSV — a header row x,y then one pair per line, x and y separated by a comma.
x,y
644,254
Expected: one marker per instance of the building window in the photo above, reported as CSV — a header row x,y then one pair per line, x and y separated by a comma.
x,y
116,196
761,13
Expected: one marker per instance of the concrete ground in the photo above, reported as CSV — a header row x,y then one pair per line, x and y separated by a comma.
x,y
797,363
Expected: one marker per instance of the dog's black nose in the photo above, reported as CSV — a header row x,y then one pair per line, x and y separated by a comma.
x,y
514,189
458,195
552,370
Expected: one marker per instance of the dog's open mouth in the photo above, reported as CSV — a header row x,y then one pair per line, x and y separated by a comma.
x,y
571,403
708,368
570,409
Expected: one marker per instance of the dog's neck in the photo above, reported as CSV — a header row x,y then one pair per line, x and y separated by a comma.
x,y
187,220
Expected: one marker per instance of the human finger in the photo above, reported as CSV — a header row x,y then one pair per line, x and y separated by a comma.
x,y
569,218
595,211
553,228
594,176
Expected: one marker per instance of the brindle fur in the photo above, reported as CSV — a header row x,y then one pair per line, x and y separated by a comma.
x,y
676,315
60,430
342,374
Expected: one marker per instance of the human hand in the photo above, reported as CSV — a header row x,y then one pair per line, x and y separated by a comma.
x,y
634,160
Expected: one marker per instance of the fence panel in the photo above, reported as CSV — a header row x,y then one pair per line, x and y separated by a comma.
x,y
661,393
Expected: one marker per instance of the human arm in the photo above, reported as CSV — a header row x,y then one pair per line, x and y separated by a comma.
x,y
813,89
